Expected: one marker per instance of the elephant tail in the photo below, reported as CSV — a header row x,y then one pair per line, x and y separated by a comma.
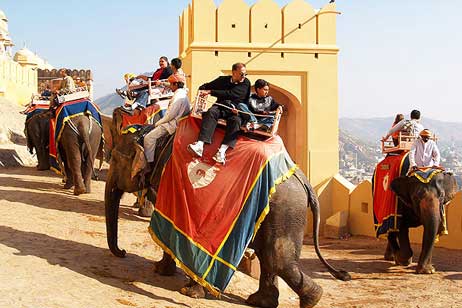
x,y
112,197
315,209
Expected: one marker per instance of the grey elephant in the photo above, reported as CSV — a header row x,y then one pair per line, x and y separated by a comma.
x,y
422,205
78,146
37,131
277,244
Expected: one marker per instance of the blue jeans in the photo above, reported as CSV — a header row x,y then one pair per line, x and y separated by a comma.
x,y
267,120
142,98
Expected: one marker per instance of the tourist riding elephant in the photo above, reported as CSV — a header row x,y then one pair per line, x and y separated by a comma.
x,y
277,244
78,146
423,205
37,130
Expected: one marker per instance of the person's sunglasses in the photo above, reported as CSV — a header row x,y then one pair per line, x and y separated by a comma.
x,y
243,74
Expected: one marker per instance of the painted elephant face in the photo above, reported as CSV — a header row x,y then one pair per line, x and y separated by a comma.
x,y
123,157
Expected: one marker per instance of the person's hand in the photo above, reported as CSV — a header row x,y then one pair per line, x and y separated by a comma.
x,y
234,110
204,92
265,112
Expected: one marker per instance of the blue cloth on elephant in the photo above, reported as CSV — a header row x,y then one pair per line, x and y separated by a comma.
x,y
64,113
425,175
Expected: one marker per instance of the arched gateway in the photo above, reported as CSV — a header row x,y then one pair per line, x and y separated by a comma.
x,y
294,48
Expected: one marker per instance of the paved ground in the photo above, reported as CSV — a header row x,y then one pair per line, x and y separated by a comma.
x,y
53,253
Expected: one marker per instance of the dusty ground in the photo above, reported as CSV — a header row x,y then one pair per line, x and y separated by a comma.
x,y
53,253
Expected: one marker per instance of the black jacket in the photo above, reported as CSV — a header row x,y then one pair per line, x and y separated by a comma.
x,y
262,104
227,91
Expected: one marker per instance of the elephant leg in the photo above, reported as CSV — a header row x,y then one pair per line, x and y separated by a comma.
x,y
431,219
405,251
388,255
166,266
74,161
309,292
267,294
68,176
87,171
146,207
193,289
392,246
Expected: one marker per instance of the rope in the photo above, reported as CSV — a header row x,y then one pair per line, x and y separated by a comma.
x,y
244,112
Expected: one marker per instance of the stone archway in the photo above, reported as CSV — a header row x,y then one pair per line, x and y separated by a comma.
x,y
292,127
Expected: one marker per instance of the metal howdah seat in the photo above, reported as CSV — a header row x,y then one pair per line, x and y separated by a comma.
x,y
155,92
405,142
202,104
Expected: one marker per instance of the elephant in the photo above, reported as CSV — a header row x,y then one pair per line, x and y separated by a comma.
x,y
37,131
277,244
422,204
115,128
78,146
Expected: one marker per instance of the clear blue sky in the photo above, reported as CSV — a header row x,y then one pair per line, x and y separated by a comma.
x,y
394,55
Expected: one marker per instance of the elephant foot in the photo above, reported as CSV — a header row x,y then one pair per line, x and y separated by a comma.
x,y
194,291
265,299
68,185
312,297
146,210
427,269
165,267
79,191
388,255
136,204
402,260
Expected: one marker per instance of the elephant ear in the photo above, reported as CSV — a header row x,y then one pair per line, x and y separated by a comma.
x,y
401,186
139,161
450,187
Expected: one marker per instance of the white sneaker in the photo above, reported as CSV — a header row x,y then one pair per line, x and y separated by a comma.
x,y
196,149
220,157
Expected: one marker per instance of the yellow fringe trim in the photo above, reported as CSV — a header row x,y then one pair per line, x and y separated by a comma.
x,y
180,264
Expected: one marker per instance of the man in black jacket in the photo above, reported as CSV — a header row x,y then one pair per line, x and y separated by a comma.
x,y
229,91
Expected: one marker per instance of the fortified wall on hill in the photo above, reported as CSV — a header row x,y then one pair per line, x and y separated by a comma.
x,y
294,48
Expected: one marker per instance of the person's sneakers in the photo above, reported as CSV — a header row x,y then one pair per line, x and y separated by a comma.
x,y
250,126
122,94
220,157
196,149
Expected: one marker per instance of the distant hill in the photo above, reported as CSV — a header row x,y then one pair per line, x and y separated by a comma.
x,y
371,130
108,102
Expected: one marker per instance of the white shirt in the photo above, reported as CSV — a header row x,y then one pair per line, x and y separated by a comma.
x,y
178,107
424,154
416,127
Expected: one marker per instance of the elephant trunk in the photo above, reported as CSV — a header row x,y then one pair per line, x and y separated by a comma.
x,y
112,202
315,209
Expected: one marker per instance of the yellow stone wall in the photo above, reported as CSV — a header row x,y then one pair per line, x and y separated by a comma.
x,y
291,47
17,83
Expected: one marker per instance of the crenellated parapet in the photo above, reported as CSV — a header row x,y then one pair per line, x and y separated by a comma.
x,y
265,26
